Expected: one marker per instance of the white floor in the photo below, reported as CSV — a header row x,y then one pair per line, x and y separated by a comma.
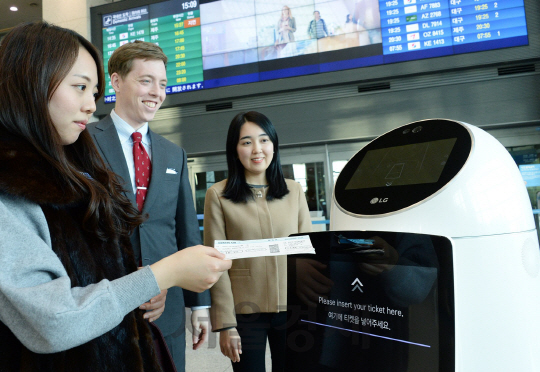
x,y
208,358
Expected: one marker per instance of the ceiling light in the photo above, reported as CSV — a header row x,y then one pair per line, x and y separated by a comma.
x,y
13,8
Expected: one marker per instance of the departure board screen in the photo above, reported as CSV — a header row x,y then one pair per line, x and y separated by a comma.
x,y
410,25
173,25
228,42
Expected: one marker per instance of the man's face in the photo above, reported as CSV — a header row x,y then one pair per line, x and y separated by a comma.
x,y
317,15
141,92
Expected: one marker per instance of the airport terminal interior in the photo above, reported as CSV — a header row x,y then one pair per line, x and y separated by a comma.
x,y
328,97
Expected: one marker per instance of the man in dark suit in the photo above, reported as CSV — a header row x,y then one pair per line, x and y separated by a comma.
x,y
138,76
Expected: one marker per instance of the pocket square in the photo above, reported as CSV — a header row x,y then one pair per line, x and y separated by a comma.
x,y
171,171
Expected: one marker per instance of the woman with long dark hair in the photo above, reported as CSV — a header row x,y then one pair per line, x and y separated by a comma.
x,y
69,283
254,202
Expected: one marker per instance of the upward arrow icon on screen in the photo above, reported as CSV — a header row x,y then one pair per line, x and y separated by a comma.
x,y
357,285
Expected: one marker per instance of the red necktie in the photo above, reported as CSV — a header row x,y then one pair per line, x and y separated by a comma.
x,y
143,169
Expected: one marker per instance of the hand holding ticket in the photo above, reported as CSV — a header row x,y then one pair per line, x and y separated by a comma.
x,y
233,249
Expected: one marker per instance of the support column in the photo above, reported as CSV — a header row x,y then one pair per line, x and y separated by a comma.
x,y
72,14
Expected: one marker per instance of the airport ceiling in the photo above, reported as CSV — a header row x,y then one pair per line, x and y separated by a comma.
x,y
28,10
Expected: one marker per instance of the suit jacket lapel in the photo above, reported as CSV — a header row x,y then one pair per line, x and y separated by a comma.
x,y
159,165
111,149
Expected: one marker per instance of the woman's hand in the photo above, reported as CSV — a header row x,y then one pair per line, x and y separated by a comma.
x,y
229,341
195,268
155,307
200,322
311,283
377,264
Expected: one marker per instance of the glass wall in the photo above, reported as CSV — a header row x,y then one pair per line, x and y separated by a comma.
x,y
203,181
528,161
310,176
318,168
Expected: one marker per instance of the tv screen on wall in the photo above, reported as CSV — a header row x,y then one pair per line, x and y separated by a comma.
x,y
213,44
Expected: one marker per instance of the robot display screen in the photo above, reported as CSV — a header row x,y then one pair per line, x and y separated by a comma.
x,y
402,165
371,301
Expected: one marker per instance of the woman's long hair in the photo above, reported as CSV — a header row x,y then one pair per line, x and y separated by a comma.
x,y
237,189
289,13
34,59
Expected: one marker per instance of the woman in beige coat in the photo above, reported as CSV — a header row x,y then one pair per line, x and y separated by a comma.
x,y
255,202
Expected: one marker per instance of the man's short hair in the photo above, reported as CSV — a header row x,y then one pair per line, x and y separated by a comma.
x,y
121,60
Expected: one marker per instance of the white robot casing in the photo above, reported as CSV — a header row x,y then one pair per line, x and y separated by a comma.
x,y
486,213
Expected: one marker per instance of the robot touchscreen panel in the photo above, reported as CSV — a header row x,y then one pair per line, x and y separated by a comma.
x,y
369,301
402,165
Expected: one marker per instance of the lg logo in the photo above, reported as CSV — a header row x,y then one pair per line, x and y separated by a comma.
x,y
377,200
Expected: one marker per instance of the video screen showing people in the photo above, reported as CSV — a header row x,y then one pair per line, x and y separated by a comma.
x,y
217,43
246,31
371,301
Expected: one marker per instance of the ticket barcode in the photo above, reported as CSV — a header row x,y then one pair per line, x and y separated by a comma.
x,y
274,248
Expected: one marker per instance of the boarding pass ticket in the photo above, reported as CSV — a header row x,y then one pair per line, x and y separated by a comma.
x,y
233,249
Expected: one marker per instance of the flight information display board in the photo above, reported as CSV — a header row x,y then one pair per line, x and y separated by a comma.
x,y
415,24
217,43
174,26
